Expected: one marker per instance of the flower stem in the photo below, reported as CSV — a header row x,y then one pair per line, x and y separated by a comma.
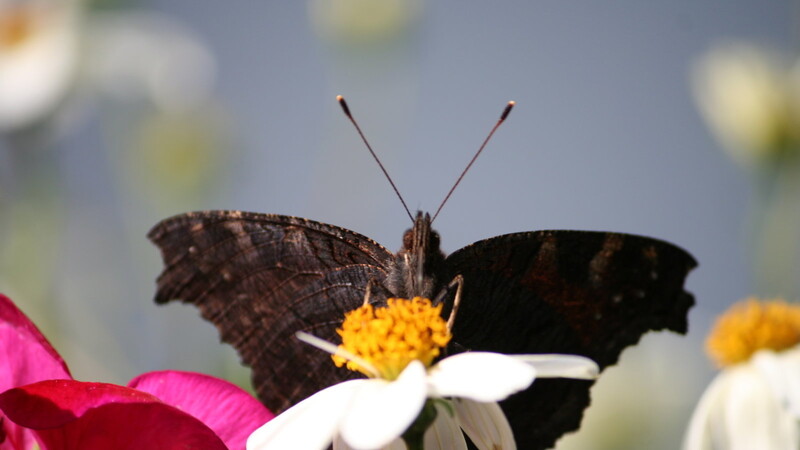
x,y
414,436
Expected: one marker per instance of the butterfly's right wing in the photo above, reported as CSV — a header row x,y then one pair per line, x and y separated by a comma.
x,y
260,278
570,292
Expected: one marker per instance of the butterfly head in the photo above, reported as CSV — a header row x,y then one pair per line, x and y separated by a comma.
x,y
420,237
418,261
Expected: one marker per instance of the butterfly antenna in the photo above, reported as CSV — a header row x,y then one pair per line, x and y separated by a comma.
x,y
503,117
346,110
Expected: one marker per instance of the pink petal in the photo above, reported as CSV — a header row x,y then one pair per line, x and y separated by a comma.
x,y
224,407
72,415
26,357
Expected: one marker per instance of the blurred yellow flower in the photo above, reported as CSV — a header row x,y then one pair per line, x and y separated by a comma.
x,y
751,99
176,157
363,21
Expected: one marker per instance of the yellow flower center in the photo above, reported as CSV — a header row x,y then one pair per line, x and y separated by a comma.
x,y
750,326
391,337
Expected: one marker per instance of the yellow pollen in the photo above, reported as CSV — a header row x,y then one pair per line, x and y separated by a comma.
x,y
391,337
752,325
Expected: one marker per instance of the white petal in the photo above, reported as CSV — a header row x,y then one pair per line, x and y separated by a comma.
x,y
309,424
739,412
445,432
480,376
699,433
339,443
485,424
753,417
334,349
564,366
381,410
782,370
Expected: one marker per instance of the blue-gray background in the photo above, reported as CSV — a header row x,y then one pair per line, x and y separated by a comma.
x,y
605,136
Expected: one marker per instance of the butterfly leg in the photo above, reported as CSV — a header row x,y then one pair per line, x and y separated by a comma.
x,y
458,283
368,291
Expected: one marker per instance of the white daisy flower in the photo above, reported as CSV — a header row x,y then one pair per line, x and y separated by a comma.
x,y
407,399
755,400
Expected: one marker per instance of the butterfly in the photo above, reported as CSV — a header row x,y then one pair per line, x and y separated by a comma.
x,y
260,278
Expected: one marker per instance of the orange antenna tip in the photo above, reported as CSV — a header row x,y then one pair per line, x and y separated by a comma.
x,y
344,106
507,111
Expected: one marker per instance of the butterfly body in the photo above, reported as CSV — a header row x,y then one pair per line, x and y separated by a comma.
x,y
260,278
418,264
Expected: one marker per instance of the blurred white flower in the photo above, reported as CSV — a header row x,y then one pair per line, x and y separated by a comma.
x,y
52,49
38,58
151,56
754,403
751,99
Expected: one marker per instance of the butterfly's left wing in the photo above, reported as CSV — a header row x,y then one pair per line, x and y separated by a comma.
x,y
262,277
571,292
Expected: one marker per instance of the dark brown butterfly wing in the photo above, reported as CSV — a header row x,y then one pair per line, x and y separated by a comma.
x,y
260,278
572,292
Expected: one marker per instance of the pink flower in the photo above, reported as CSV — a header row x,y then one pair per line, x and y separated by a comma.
x,y
42,403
